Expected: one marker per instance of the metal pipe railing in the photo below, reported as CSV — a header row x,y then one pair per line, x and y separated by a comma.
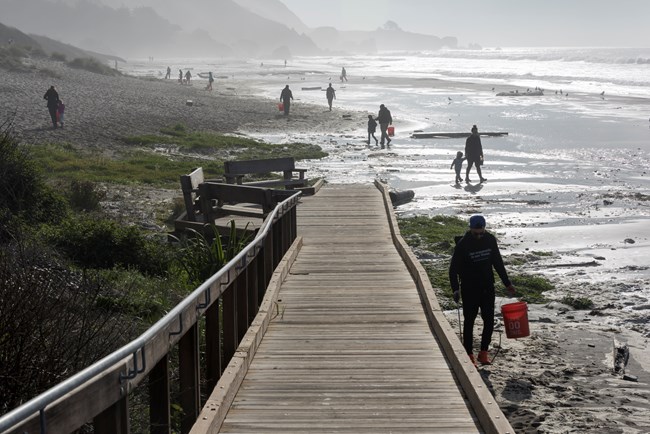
x,y
38,404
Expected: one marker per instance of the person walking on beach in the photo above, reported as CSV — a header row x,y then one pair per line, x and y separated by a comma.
x,y
188,77
475,255
474,154
330,93
169,73
457,165
286,96
210,81
52,97
372,127
344,74
60,113
385,119
180,76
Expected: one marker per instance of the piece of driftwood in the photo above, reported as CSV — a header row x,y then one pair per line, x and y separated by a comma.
x,y
444,135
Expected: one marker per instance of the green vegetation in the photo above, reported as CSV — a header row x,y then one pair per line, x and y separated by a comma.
x,y
578,303
12,56
58,57
225,147
75,284
65,163
92,65
436,234
68,164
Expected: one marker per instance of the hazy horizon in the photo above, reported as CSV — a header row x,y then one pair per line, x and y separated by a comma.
x,y
505,23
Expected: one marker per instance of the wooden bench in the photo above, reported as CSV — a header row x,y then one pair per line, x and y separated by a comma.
x,y
236,171
209,201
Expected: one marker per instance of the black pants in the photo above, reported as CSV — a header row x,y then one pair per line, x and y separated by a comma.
x,y
473,300
287,106
384,133
52,115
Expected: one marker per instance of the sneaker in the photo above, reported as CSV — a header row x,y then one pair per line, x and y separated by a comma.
x,y
483,179
473,360
468,180
484,358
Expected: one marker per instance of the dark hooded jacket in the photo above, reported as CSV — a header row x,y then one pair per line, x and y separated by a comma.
x,y
472,262
384,116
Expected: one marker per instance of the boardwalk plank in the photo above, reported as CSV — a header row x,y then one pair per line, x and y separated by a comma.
x,y
352,351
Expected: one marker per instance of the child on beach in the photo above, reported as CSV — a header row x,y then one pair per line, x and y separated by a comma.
x,y
457,164
60,113
372,127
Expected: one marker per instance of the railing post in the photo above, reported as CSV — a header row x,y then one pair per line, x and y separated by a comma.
x,y
188,359
242,305
229,324
251,288
159,400
213,345
113,420
268,252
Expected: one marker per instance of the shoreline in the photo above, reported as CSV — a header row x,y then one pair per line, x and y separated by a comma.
x,y
552,382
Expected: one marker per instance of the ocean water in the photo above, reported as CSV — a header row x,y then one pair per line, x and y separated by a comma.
x,y
571,177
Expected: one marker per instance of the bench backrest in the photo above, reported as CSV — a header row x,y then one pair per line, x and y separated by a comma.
x,y
259,166
190,186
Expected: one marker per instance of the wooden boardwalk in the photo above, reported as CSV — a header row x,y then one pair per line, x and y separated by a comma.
x,y
349,349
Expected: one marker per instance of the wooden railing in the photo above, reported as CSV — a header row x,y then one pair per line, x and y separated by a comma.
x,y
229,301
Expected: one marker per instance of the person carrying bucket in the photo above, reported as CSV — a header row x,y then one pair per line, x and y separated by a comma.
x,y
475,255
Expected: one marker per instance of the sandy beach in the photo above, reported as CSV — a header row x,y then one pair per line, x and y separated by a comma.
x,y
584,207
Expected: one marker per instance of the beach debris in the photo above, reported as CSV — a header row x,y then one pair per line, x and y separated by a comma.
x,y
607,202
621,357
189,103
401,197
628,377
453,135
628,241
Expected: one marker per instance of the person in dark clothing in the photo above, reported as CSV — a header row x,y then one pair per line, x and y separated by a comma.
x,y
385,119
475,255
169,73
330,93
52,97
286,96
372,127
474,154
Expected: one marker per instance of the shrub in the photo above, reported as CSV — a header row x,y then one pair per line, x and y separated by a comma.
x,y
51,323
23,193
92,65
84,196
105,244
58,56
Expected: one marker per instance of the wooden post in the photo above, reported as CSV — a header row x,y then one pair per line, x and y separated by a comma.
x,y
188,358
229,324
213,345
113,420
242,305
251,288
159,402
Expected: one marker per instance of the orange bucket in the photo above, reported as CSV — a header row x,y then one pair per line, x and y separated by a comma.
x,y
515,319
281,107
391,131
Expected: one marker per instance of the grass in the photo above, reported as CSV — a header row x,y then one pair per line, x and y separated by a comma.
x,y
64,162
436,234
225,146
92,65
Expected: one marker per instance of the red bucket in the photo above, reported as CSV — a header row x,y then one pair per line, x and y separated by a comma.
x,y
391,131
281,107
515,319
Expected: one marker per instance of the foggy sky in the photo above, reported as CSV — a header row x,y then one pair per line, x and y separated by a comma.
x,y
491,23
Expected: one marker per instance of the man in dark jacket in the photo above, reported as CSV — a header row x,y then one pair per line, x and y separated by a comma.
x,y
52,97
475,255
385,119
330,93
474,154
286,96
